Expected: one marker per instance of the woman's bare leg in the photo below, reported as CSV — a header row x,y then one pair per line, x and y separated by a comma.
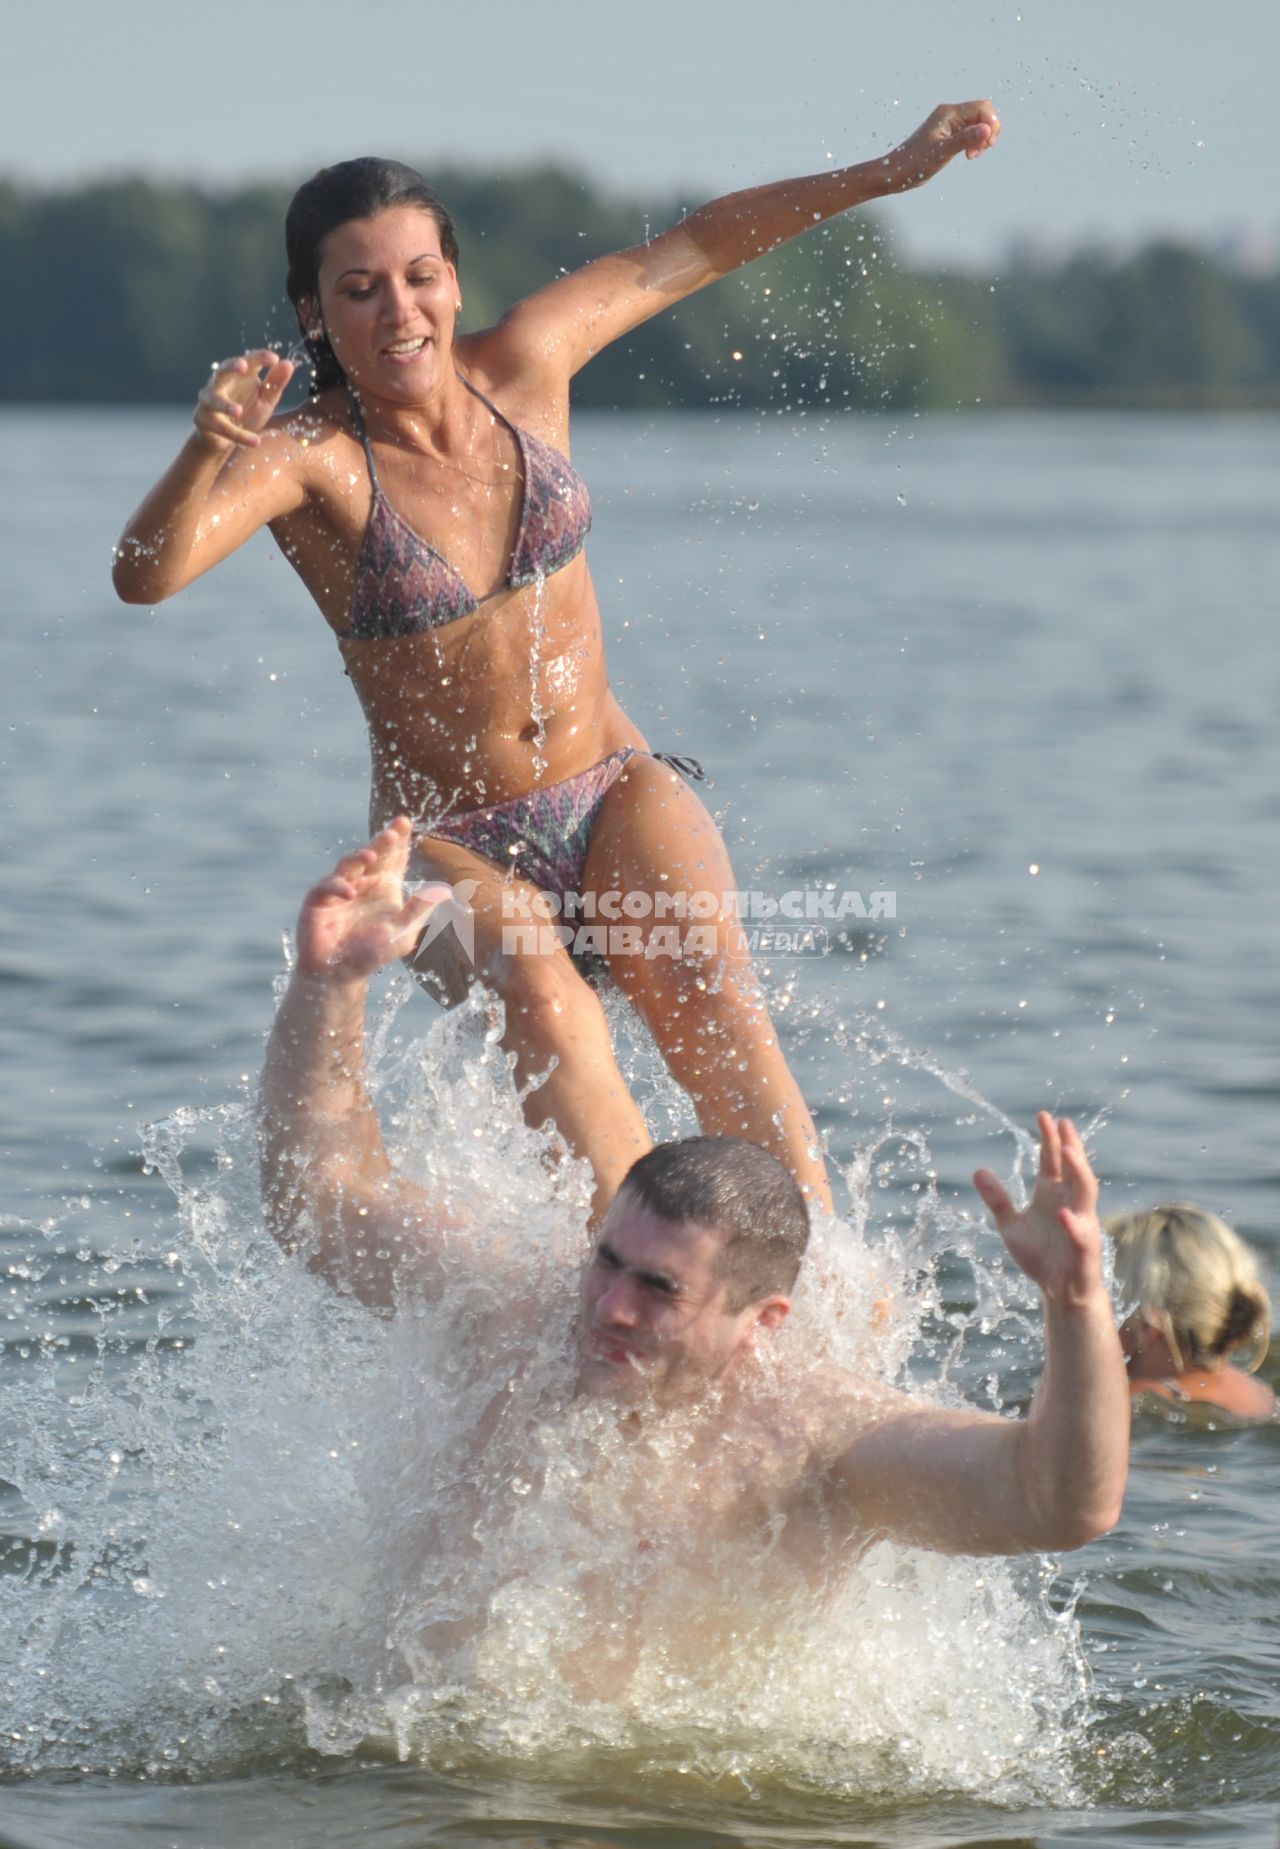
x,y
554,1023
704,1009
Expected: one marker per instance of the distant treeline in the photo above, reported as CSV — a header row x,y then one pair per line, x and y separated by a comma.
x,y
125,292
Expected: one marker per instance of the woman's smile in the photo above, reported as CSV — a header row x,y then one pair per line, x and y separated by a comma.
x,y
405,352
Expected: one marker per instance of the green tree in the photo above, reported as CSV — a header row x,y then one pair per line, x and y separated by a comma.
x,y
126,291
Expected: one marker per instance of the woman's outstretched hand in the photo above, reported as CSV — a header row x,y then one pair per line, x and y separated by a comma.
x,y
1056,1239
953,128
241,398
358,919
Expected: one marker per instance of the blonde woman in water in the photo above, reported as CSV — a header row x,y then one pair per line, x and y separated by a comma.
x,y
426,498
1201,1308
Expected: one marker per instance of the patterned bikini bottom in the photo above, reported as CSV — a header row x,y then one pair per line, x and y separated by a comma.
x,y
543,837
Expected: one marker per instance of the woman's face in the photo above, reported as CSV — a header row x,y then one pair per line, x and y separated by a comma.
x,y
388,301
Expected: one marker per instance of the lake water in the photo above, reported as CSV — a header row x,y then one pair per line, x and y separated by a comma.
x,y
1021,673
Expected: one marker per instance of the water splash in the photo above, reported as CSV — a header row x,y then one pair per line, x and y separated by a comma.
x,y
246,1517
538,712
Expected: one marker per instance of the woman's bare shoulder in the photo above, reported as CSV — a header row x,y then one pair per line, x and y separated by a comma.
x,y
522,379
1227,1388
1232,1389
315,443
316,422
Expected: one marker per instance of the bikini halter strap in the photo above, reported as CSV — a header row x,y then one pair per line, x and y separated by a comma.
x,y
362,431
689,768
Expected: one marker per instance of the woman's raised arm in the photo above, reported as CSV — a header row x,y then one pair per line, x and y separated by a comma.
x,y
570,320
216,493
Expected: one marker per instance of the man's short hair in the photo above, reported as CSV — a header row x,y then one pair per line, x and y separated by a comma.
x,y
742,1192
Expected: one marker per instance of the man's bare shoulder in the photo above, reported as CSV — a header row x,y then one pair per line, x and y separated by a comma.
x,y
814,1413
778,1451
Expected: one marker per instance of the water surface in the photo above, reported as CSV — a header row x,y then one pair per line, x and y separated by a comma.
x,y
1020,672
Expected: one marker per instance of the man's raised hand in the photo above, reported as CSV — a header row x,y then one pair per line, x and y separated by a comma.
x,y
1056,1239
358,919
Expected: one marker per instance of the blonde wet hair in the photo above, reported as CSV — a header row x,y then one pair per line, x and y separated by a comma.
x,y
1195,1279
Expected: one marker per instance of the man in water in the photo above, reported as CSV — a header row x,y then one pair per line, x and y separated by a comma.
x,y
680,1303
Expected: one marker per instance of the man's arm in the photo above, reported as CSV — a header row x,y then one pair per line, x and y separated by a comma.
x,y
329,1188
970,1483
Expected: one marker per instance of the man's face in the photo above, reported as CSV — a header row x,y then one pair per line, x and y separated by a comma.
x,y
654,1323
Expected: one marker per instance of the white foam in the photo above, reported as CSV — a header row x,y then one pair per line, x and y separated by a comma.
x,y
270,1536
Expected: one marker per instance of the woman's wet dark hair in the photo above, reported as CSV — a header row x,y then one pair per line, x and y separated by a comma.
x,y
351,189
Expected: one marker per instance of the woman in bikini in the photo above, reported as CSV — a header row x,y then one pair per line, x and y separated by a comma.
x,y
426,499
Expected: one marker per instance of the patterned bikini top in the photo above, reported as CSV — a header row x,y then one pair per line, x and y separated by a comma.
x,y
403,585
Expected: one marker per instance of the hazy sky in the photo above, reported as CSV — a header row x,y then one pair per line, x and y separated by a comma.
x,y
1121,116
